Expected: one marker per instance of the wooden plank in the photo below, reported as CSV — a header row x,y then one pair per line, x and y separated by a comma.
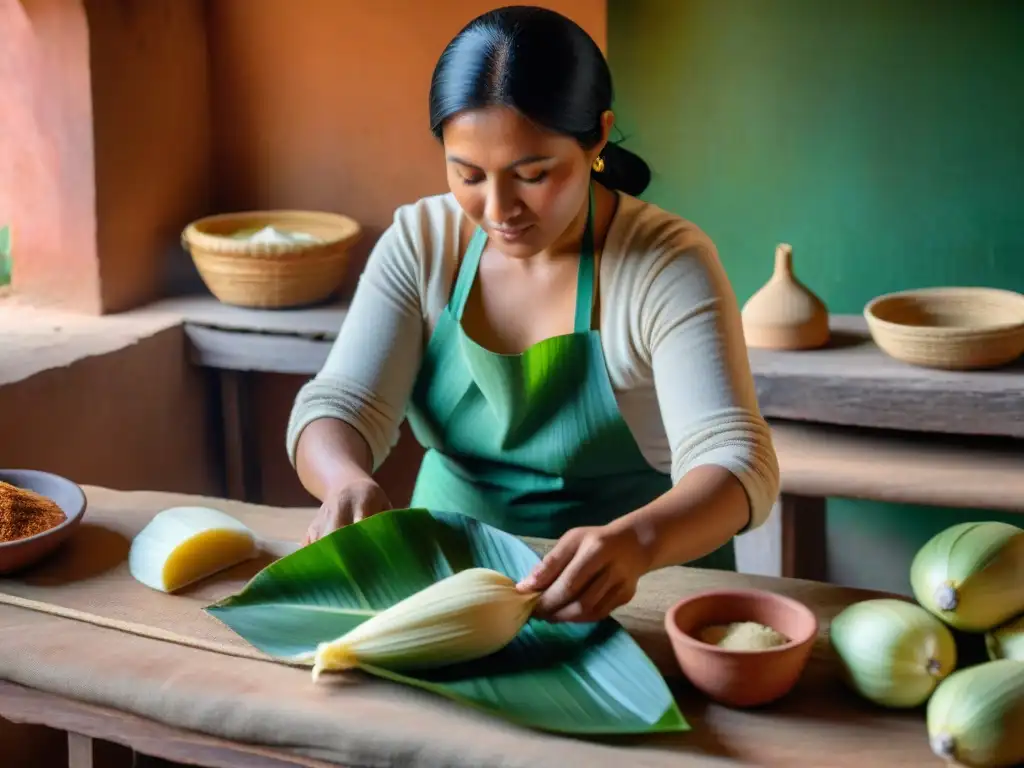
x,y
819,461
240,447
320,322
267,353
790,543
148,761
852,382
803,543
79,751
87,723
904,468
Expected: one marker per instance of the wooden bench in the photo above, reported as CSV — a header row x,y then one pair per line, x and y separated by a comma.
x,y
819,461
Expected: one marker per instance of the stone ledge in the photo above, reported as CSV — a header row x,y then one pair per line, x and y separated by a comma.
x,y
35,339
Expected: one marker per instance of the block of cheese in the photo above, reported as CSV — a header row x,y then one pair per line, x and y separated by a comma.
x,y
182,545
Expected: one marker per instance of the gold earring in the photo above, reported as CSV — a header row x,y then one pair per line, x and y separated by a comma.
x,y
598,165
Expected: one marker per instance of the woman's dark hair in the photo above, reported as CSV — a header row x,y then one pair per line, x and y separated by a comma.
x,y
546,67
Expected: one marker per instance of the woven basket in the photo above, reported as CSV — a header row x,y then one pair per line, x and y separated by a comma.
x,y
271,275
949,328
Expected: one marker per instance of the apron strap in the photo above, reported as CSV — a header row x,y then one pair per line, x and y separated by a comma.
x,y
467,272
584,275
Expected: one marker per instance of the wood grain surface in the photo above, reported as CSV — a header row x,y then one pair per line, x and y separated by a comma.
x,y
848,382
852,382
820,723
86,721
818,460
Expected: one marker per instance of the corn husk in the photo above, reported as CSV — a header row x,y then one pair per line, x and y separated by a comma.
x,y
893,652
976,715
1007,641
474,613
971,575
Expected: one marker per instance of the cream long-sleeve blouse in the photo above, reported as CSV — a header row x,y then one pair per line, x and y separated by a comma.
x,y
670,332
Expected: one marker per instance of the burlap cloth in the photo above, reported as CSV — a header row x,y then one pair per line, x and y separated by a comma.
x,y
225,688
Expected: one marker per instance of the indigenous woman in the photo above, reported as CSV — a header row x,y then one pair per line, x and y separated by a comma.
x,y
570,357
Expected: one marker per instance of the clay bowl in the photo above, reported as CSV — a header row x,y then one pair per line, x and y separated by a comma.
x,y
741,678
15,555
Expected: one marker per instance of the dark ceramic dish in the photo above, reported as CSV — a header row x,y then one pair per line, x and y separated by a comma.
x,y
21,553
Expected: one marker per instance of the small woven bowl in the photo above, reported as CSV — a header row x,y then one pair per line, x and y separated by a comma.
x,y
949,328
271,275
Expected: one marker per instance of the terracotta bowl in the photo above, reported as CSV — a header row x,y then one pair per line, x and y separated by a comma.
x,y
741,678
15,555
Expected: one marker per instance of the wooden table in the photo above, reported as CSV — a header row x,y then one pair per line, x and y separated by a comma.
x,y
819,723
87,724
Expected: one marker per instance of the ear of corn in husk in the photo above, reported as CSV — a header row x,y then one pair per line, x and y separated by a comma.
x,y
469,615
972,575
976,715
1007,641
892,652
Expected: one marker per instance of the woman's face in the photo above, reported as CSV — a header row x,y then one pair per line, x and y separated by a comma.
x,y
525,186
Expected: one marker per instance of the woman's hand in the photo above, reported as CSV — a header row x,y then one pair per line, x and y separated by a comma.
x,y
353,502
589,573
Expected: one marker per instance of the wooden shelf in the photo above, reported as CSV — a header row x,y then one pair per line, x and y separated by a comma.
x,y
850,382
202,310
977,473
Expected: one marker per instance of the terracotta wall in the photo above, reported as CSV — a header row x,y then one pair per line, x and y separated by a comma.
x,y
272,400
120,116
46,171
151,128
323,104
104,144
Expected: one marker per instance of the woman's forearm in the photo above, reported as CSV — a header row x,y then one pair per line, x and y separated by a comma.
x,y
331,454
705,509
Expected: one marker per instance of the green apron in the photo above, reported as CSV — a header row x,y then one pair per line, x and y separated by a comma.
x,y
533,443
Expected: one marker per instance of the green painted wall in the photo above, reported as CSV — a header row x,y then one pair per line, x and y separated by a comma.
x,y
5,255
884,139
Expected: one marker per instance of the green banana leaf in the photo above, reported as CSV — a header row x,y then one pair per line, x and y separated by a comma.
x,y
560,677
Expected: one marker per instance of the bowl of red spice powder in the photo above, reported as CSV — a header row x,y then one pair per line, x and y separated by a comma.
x,y
38,512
